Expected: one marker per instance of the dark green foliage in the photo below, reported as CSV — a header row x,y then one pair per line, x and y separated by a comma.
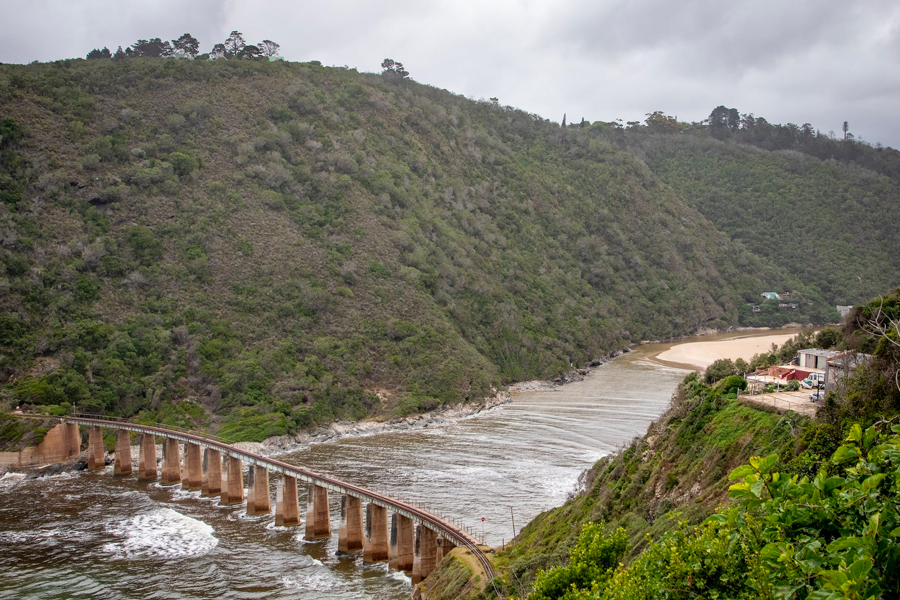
x,y
820,537
591,563
725,367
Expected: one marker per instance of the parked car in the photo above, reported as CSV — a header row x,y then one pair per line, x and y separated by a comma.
x,y
816,396
813,380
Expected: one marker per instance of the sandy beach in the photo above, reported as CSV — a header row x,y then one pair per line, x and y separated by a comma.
x,y
702,354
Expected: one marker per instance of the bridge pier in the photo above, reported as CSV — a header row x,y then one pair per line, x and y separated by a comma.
x,y
171,467
318,520
123,453
147,457
402,543
258,500
193,468
232,481
376,546
350,536
74,439
425,558
287,507
444,547
95,449
211,480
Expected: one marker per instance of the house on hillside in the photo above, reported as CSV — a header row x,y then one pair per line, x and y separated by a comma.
x,y
843,311
771,296
815,358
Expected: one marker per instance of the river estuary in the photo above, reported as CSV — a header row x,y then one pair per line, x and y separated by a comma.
x,y
90,535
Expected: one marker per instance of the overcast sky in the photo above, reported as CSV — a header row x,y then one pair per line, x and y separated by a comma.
x,y
816,61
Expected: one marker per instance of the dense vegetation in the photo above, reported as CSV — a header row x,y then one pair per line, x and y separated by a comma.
x,y
259,247
810,203
817,517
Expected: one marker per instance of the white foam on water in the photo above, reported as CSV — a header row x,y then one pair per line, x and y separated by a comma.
x,y
160,533
317,580
12,478
44,537
273,527
400,576
179,493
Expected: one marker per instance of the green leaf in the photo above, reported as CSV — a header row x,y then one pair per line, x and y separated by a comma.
x,y
895,532
871,432
766,464
859,569
845,543
856,434
872,482
757,488
741,471
844,453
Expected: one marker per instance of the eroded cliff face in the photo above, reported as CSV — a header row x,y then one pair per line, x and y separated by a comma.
x,y
60,443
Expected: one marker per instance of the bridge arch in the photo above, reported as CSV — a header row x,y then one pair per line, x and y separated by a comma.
x,y
415,541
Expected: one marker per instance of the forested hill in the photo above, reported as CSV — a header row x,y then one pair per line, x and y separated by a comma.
x,y
820,206
259,247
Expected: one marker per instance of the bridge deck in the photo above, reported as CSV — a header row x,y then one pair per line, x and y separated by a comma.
x,y
418,515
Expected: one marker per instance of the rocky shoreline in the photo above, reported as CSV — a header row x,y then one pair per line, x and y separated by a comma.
x,y
285,444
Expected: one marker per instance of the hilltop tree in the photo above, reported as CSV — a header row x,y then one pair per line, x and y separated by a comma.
x,y
269,48
234,43
218,51
153,48
846,129
659,122
186,45
723,121
95,54
250,52
120,54
392,68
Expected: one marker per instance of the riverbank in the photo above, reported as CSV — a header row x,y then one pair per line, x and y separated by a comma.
x,y
285,444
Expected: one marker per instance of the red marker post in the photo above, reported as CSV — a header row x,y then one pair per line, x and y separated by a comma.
x,y
482,530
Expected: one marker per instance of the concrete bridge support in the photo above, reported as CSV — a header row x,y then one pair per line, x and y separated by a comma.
x,y
123,453
403,540
193,468
147,457
232,481
211,480
95,449
350,537
425,559
444,547
318,520
74,437
171,467
259,502
287,507
376,544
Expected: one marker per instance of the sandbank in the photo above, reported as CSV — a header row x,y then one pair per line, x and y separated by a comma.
x,y
702,354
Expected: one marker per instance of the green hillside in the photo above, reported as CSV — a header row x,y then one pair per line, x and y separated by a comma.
x,y
823,210
262,247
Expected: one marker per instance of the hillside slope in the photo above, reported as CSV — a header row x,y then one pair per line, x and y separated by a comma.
x,y
832,224
260,247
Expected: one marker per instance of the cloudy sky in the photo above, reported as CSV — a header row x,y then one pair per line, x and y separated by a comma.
x,y
816,61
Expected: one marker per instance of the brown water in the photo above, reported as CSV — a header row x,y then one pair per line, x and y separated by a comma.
x,y
90,535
